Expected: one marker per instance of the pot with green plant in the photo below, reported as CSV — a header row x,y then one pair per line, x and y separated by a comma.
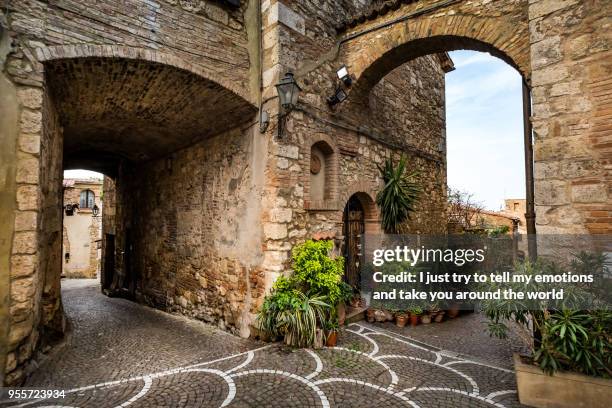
x,y
398,197
415,312
298,307
331,331
292,314
346,295
571,357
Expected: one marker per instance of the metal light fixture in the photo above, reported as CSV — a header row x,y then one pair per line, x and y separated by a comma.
x,y
344,76
288,93
95,210
338,97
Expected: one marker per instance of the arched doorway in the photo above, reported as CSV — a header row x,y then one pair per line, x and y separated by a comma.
x,y
360,217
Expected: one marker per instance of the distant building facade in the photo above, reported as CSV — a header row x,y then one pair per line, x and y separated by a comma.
x,y
82,228
517,207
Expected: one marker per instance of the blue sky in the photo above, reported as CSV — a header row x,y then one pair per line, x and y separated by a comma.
x,y
484,128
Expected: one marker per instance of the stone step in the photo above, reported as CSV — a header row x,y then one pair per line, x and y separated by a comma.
x,y
355,315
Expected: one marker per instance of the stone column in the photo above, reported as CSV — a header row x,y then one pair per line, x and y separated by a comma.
x,y
571,64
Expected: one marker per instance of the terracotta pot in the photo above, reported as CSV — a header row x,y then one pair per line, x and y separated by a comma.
x,y
414,320
439,317
332,339
401,320
341,312
426,319
453,311
371,315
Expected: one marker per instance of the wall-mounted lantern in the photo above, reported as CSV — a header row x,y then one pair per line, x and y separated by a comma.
x,y
288,93
69,210
95,210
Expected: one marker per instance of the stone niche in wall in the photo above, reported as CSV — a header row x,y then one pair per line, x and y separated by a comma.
x,y
322,173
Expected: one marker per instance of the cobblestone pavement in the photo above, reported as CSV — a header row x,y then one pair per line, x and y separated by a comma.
x,y
124,354
467,334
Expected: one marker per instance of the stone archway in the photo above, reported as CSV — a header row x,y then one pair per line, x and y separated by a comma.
x,y
390,34
100,108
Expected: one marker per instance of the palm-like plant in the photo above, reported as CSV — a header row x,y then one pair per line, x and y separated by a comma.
x,y
398,197
300,324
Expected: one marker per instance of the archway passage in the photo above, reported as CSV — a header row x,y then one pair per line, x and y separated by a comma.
x,y
162,135
380,40
120,109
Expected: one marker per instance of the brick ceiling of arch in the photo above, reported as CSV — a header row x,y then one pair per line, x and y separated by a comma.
x,y
389,33
114,109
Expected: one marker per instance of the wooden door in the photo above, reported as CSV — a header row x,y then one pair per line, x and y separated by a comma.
x,y
354,228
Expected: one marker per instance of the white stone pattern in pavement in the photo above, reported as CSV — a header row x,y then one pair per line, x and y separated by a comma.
x,y
453,365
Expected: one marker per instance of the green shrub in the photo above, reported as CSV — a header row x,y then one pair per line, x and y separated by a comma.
x,y
570,339
300,305
577,341
315,271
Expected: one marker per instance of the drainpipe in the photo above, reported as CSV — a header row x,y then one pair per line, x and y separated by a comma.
x,y
528,142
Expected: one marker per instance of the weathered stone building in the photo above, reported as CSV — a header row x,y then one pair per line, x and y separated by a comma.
x,y
81,228
203,201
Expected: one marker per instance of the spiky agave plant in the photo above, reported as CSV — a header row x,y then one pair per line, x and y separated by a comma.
x,y
299,324
398,197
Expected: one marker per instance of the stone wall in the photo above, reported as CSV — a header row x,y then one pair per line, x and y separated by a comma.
x,y
206,34
572,65
404,113
194,228
208,39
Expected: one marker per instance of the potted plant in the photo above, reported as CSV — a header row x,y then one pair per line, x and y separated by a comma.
x,y
439,316
299,306
571,359
332,333
415,312
346,296
426,318
453,311
401,319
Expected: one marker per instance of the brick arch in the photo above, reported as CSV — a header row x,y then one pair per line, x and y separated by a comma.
x,y
57,52
373,48
327,145
163,102
366,194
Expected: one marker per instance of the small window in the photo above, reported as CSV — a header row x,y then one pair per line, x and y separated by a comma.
x,y
88,199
